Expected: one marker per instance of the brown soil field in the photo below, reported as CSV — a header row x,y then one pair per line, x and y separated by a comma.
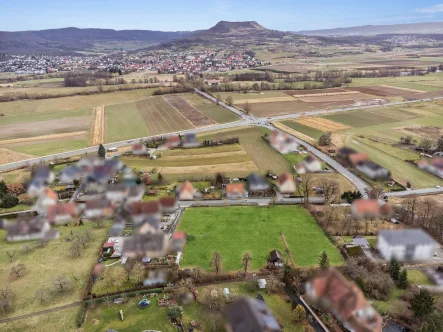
x,y
205,156
287,68
98,126
322,124
20,130
423,131
338,97
196,117
246,166
431,94
262,100
160,117
319,92
379,91
43,137
8,156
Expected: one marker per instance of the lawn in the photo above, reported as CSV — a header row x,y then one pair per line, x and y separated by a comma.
x,y
416,277
122,122
235,230
136,319
50,147
43,264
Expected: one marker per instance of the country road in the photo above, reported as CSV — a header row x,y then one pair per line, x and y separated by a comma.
x,y
246,120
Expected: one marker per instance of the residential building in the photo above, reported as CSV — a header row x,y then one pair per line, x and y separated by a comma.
x,y
286,184
282,142
168,204
235,190
257,182
146,245
373,170
405,245
186,192
344,299
62,213
99,209
37,228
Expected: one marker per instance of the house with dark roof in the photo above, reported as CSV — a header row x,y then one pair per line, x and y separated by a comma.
x,y
117,193
372,170
37,228
143,210
406,245
345,300
257,182
247,314
276,258
146,245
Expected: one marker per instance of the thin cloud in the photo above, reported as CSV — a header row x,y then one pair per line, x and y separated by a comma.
x,y
223,6
432,9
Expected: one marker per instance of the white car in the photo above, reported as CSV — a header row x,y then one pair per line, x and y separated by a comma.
x,y
394,221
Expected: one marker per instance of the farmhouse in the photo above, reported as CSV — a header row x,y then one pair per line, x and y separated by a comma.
x,y
235,190
282,142
286,184
310,164
405,245
345,300
47,198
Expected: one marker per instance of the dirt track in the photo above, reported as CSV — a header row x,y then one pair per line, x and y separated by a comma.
x,y
98,126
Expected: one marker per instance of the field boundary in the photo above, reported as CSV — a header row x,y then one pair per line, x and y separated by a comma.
x,y
193,125
42,137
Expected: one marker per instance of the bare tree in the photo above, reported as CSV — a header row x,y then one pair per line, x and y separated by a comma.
x,y
42,294
375,192
247,258
330,215
17,271
62,283
138,272
247,107
6,297
11,255
26,248
330,188
128,269
274,285
229,100
305,186
75,248
216,262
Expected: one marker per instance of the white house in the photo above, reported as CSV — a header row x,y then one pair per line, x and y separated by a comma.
x,y
373,170
405,245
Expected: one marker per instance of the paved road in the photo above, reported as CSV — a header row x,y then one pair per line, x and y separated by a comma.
x,y
244,121
250,201
425,191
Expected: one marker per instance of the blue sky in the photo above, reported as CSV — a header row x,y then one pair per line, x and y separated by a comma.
x,y
173,15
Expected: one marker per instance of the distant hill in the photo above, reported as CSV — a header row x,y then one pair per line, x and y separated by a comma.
x,y
68,40
371,30
234,27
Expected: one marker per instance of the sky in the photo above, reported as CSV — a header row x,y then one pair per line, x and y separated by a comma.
x,y
185,15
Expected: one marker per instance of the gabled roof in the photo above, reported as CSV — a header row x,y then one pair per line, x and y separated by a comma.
x,y
167,201
275,255
26,226
150,207
356,158
366,206
235,188
406,237
285,177
187,187
51,194
97,204
62,209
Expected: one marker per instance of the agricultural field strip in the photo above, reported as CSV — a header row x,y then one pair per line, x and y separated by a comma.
x,y
245,166
190,112
205,156
400,88
262,100
168,119
98,126
327,94
43,137
322,124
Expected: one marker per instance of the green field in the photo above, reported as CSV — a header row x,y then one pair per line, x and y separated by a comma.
x,y
44,116
430,79
50,147
252,95
308,131
215,112
44,264
235,230
262,154
122,122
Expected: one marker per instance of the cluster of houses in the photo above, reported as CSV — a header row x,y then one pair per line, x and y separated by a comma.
x,y
434,165
360,161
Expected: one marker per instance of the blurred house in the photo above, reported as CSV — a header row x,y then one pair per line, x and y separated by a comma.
x,y
370,208
36,228
247,314
47,198
41,176
117,193
168,204
405,245
178,241
139,149
344,299
434,166
186,192
357,158
373,170
171,142
282,142
257,182
310,164
99,209
147,245
189,140
135,194
286,184
62,213
69,174
144,210
235,190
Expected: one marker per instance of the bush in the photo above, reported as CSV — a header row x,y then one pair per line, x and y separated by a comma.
x,y
8,201
175,312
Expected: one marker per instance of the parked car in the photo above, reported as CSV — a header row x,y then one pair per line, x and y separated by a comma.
x,y
146,260
394,221
143,304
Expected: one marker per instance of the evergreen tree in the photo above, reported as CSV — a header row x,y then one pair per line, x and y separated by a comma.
x,y
395,269
433,322
323,261
3,188
402,281
101,151
422,303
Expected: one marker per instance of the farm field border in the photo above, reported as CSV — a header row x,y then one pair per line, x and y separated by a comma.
x,y
98,126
